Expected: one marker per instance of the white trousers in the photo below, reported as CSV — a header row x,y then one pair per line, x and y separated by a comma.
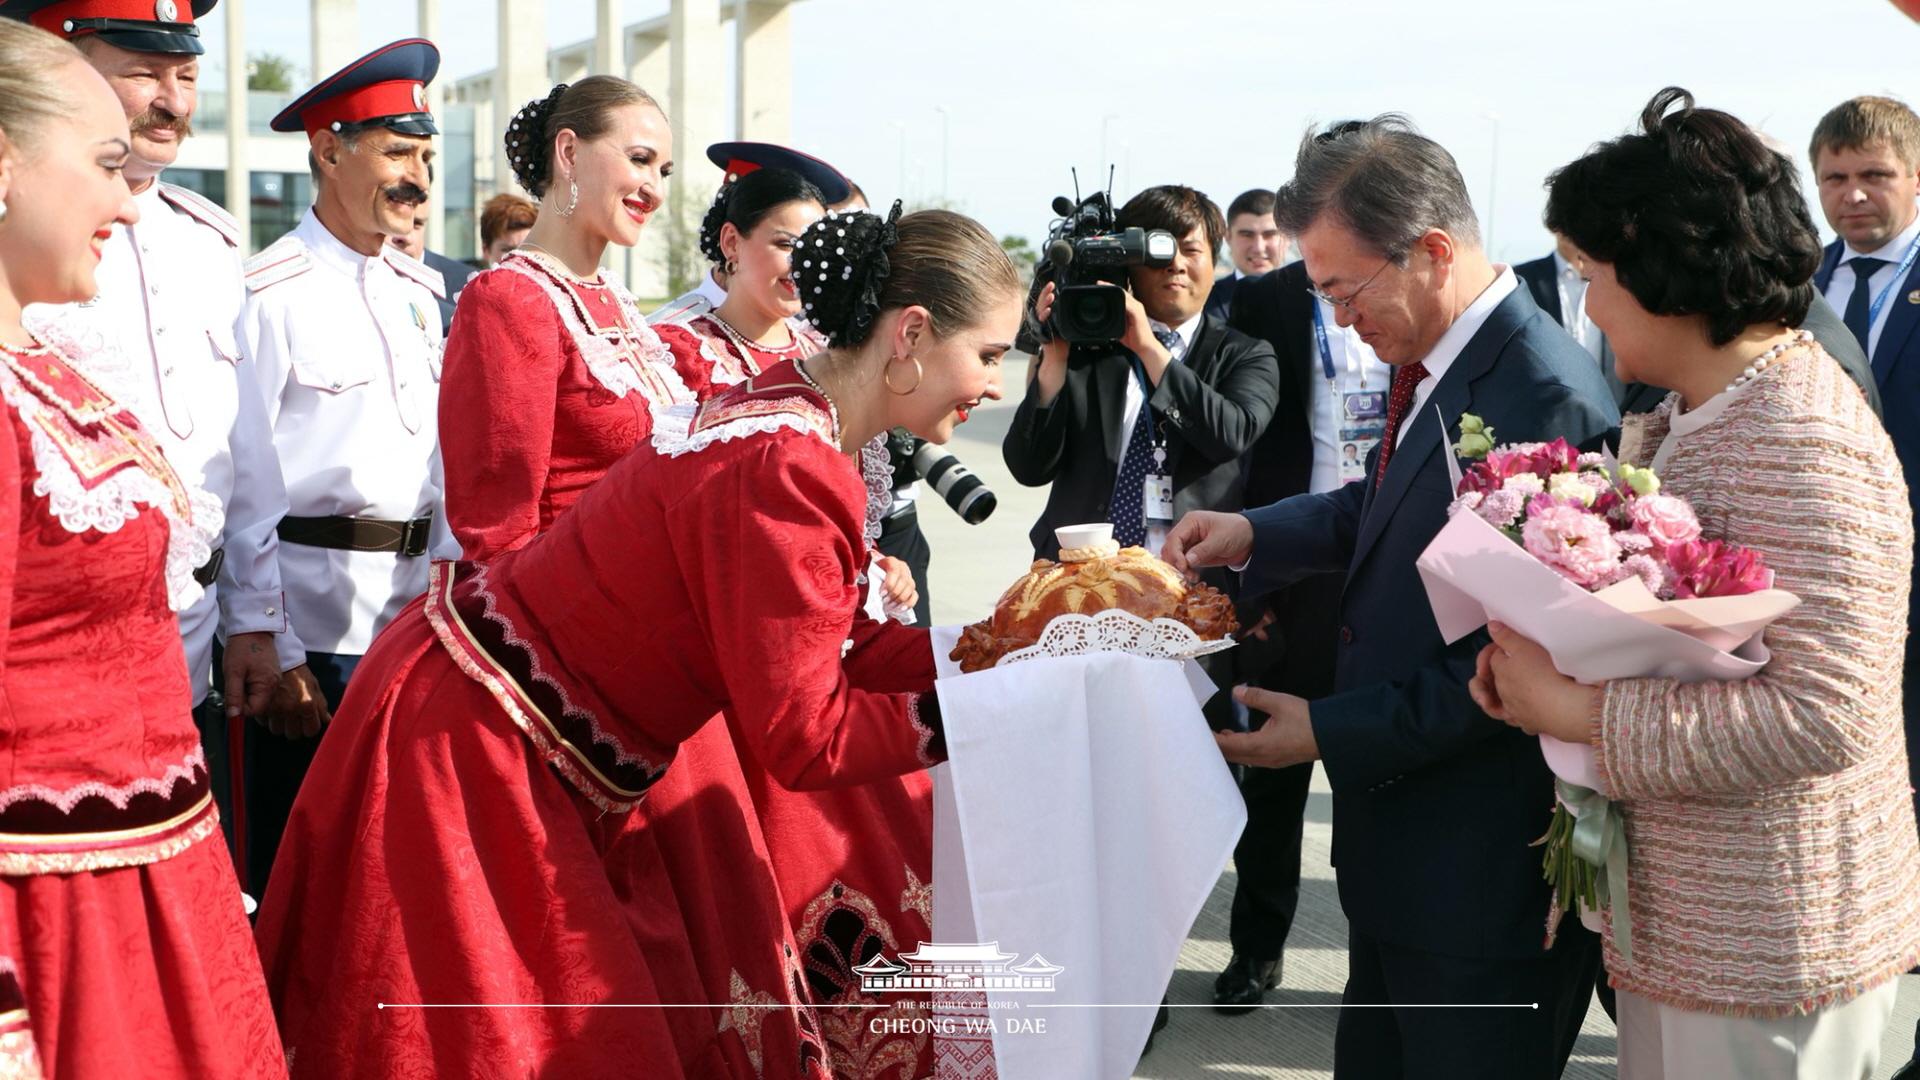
x,y
1659,1042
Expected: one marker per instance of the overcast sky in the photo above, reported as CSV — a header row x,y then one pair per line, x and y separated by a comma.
x,y
1215,93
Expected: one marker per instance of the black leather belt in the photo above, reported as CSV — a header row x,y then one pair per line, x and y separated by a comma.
x,y
358,534
210,569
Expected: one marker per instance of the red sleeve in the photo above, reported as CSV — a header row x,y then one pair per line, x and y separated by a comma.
x,y
889,657
12,483
769,544
498,389
695,370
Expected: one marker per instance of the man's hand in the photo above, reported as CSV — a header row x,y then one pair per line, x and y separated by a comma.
x,y
1051,371
1206,538
1514,681
897,582
1285,739
1140,340
298,710
252,670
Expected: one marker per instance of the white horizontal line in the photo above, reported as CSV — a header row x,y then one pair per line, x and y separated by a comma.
x,y
601,1005
1301,1005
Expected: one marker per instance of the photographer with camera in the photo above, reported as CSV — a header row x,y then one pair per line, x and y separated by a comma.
x,y
1173,400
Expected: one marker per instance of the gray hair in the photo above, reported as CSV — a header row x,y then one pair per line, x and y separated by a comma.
x,y
1380,178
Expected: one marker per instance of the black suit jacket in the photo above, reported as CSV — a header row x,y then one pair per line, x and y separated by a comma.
x,y
1298,654
1214,404
1220,297
1435,804
454,274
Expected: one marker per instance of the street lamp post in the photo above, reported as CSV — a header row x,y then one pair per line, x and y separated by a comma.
x,y
900,126
1493,180
946,167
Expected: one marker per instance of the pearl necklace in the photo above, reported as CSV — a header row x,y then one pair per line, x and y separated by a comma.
x,y
1759,364
791,350
833,410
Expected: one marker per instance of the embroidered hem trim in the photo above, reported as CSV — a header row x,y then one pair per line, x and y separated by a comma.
x,y
19,1060
67,798
473,661
924,750
1806,1006
87,852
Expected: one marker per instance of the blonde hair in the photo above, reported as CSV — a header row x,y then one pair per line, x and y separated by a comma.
x,y
30,95
1869,121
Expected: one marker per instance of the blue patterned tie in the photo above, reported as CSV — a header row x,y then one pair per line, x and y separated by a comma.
x,y
1860,301
1136,461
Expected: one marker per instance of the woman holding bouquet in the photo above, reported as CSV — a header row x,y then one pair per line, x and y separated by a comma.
x,y
462,841
1774,873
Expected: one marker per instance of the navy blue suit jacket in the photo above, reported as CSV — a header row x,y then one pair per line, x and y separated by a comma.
x,y
1220,297
1435,803
1896,370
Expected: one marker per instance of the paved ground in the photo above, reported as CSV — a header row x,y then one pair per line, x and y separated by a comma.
x,y
971,565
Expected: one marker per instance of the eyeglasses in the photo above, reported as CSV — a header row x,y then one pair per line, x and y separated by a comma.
x,y
1346,303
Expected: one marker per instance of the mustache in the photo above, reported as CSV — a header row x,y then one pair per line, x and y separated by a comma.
x,y
155,118
405,192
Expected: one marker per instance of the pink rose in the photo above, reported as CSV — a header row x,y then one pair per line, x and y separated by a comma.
x,y
1664,519
1572,542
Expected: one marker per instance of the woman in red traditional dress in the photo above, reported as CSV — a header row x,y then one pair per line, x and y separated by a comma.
x,y
551,373
126,952
452,844
855,864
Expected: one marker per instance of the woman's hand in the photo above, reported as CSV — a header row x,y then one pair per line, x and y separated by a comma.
x,y
1514,681
1051,371
896,582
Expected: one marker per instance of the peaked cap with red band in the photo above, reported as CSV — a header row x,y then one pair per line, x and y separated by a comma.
x,y
150,26
385,88
741,158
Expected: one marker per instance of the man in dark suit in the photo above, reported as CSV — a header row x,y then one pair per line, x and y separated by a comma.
x,y
1311,445
453,272
1254,245
1558,275
1435,804
1179,384
1866,161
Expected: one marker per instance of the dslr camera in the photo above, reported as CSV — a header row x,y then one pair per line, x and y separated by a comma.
x,y
1086,258
914,458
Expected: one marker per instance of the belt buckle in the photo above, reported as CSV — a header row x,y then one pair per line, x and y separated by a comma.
x,y
414,536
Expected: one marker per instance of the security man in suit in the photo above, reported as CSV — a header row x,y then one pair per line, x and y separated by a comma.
x,y
1255,245
1435,804
344,332
170,295
1866,163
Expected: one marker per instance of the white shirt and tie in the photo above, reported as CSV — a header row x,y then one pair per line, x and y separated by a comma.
x,y
1840,286
1439,360
1573,305
1136,399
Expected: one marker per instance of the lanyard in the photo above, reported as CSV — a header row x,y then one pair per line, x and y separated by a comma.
x,y
1899,275
1146,406
1320,335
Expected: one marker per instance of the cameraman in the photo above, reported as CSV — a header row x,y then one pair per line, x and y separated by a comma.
x,y
1180,396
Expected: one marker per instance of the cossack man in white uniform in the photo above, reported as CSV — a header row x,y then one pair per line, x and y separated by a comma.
x,y
162,331
344,332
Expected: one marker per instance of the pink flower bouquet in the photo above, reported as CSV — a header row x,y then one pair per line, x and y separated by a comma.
x,y
1613,578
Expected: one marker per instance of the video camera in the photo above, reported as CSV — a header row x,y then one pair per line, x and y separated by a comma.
x,y
1086,258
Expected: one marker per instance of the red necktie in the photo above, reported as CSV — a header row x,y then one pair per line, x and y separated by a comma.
x,y
1399,400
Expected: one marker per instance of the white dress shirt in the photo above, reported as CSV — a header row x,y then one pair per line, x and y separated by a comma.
x,y
170,295
1136,400
1573,305
1355,370
347,348
1840,287
1447,349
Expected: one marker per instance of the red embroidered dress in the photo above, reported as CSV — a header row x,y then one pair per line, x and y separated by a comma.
x,y
548,381
119,909
855,864
463,835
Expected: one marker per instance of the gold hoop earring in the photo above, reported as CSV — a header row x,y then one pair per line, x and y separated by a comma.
x,y
729,269
918,374
573,190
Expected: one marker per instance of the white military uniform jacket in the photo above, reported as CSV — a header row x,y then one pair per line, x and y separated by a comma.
x,y
691,305
160,339
347,351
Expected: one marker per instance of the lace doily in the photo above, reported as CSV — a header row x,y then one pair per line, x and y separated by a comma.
x,y
1115,630
116,499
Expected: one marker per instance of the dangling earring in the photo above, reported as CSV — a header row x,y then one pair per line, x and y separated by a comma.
x,y
918,374
729,268
3,209
573,199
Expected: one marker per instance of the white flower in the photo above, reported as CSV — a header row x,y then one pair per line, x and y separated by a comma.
x,y
1524,484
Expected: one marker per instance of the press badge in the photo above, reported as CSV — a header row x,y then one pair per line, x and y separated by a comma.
x,y
1156,497
1363,421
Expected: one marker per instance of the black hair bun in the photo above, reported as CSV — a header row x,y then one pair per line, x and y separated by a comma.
x,y
716,218
529,151
839,269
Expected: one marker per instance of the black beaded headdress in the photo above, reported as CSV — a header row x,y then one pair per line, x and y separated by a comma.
x,y
839,269
528,149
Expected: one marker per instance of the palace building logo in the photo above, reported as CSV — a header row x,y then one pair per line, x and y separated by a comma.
x,y
971,966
